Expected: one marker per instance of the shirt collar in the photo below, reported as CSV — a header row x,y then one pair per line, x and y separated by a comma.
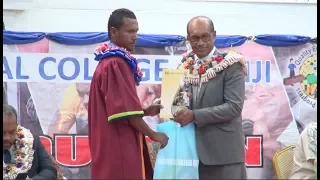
x,y
11,149
112,44
209,56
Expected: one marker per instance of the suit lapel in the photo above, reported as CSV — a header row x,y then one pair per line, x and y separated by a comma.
x,y
191,101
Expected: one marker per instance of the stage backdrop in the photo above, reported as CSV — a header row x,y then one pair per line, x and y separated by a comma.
x,y
48,82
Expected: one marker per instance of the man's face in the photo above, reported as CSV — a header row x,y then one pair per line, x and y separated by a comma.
x,y
9,131
201,38
126,35
83,92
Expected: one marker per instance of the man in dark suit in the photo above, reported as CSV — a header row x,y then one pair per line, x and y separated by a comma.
x,y
217,101
24,156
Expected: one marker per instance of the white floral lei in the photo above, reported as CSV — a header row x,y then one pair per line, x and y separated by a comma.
x,y
22,154
231,58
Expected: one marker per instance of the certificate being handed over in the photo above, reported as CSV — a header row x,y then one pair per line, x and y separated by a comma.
x,y
174,92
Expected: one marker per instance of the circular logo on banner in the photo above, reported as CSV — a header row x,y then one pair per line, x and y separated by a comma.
x,y
309,71
306,65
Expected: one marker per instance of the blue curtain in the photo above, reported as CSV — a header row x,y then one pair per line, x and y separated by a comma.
x,y
152,41
281,40
12,37
229,41
78,38
148,40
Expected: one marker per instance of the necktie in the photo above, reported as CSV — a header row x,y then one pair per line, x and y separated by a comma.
x,y
6,156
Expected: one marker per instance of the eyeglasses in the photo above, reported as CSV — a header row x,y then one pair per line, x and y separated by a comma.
x,y
205,38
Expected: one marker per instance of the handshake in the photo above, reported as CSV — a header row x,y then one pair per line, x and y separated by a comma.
x,y
183,116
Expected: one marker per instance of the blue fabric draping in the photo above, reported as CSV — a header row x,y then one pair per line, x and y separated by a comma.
x,y
223,41
281,40
152,41
148,40
87,38
13,37
78,38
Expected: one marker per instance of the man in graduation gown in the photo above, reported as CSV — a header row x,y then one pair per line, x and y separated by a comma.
x,y
116,128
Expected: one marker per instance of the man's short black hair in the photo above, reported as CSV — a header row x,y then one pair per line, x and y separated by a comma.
x,y
210,23
116,18
10,111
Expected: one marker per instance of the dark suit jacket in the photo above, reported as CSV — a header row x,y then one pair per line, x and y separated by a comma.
x,y
42,166
217,111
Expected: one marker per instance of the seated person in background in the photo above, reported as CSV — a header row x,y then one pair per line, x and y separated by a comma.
x,y
24,156
305,154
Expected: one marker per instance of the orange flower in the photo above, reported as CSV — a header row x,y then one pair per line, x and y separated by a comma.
x,y
206,63
186,65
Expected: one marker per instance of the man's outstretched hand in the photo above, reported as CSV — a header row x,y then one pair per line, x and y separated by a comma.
x,y
153,109
160,138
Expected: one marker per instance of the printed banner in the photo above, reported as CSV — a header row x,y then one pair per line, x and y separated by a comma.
x,y
48,83
298,67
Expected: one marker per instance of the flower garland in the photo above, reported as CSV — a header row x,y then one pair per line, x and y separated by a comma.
x,y
22,154
200,72
197,66
105,51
